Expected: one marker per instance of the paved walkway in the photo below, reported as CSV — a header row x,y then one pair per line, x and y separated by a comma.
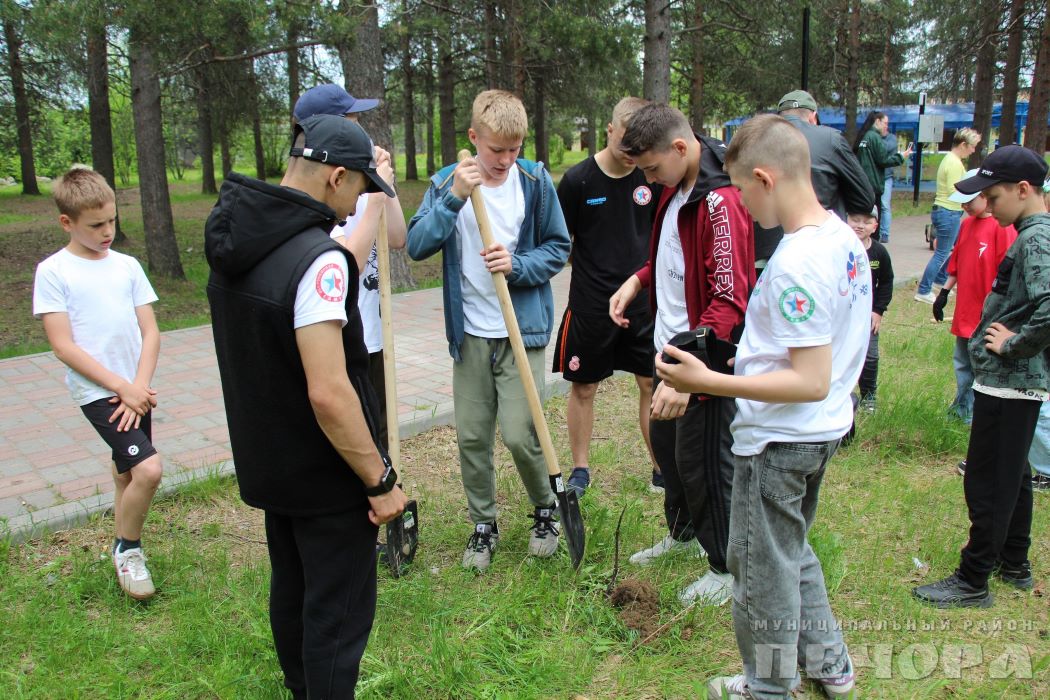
x,y
54,470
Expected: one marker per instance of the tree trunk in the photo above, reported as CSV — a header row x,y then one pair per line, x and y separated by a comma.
x,y
225,156
260,153
447,99
516,55
18,87
162,250
1039,102
205,136
984,82
696,79
593,128
887,58
98,112
409,108
852,70
363,74
656,66
428,92
539,116
491,56
1014,44
293,72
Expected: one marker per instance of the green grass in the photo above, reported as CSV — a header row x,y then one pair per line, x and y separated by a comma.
x,y
536,629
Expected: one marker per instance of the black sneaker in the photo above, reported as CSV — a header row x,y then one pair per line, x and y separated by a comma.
x,y
1040,482
961,468
480,546
579,480
657,484
1019,576
954,592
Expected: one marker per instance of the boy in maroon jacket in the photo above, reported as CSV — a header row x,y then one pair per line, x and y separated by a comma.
x,y
701,270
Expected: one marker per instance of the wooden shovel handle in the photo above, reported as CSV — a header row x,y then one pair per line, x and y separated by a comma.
x,y
387,321
521,359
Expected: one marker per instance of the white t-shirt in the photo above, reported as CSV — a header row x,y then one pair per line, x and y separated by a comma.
x,y
816,290
368,281
100,297
672,316
321,295
505,205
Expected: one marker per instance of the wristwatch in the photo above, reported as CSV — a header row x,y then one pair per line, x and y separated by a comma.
x,y
386,483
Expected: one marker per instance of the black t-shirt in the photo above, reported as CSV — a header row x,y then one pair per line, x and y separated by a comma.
x,y
610,221
881,277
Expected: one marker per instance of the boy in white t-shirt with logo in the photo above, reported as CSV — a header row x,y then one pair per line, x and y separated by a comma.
x,y
805,337
95,305
531,246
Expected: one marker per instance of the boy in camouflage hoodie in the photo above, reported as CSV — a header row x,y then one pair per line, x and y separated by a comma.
x,y
1011,362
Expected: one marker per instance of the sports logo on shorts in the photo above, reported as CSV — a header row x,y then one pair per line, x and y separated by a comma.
x,y
133,450
796,304
642,195
574,363
330,283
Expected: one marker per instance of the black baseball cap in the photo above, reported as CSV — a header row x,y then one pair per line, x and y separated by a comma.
x,y
330,99
339,141
1006,164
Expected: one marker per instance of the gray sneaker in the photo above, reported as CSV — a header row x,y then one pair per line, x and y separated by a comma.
x,y
712,589
666,546
543,536
480,547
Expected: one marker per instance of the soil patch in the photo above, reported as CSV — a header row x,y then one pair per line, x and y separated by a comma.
x,y
639,605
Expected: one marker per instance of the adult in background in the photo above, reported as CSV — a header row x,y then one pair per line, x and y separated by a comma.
x,y
872,153
840,183
358,234
609,209
885,208
294,371
946,214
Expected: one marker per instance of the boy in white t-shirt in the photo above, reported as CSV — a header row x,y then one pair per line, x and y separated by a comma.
x,y
531,246
95,305
805,336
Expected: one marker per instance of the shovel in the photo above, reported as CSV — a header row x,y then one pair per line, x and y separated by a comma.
x,y
568,503
402,533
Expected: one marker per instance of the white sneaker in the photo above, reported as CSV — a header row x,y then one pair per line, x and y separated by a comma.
x,y
133,575
666,546
927,298
710,589
727,687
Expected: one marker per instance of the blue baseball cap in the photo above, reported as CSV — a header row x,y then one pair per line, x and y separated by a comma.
x,y
330,99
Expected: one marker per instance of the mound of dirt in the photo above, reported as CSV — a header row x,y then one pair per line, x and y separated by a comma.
x,y
639,605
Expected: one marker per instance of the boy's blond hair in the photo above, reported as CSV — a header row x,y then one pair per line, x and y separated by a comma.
x,y
770,142
81,188
501,113
966,135
625,109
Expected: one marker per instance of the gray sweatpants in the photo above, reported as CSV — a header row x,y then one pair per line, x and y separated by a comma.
x,y
486,388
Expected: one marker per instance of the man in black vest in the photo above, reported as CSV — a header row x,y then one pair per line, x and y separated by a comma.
x,y
300,409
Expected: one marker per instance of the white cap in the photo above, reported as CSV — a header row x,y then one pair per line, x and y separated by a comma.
x,y
961,198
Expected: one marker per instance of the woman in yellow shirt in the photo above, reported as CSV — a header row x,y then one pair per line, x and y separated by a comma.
x,y
946,214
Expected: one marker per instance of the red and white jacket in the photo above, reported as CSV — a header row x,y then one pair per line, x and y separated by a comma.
x,y
718,244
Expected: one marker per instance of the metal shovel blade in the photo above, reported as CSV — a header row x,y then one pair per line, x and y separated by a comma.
x,y
571,520
402,539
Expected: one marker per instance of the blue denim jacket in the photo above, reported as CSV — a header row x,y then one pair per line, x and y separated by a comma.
x,y
541,252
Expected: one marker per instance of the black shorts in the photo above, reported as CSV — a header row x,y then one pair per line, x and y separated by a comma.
x,y
130,448
591,347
